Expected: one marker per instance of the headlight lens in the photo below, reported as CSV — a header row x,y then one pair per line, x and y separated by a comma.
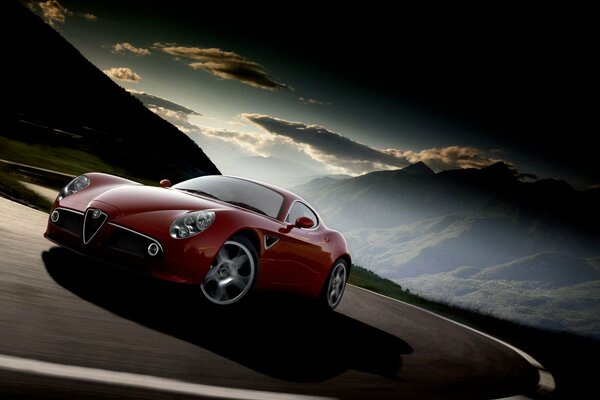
x,y
77,184
191,224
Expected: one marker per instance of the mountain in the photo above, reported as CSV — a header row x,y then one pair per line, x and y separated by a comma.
x,y
555,269
572,308
418,168
58,98
385,199
317,182
479,238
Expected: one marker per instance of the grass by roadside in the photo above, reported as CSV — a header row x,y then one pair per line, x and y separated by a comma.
x,y
62,159
12,188
369,280
567,356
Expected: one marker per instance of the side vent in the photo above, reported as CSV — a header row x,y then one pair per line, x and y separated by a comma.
x,y
270,241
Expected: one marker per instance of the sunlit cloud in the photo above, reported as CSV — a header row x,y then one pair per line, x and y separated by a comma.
x,y
248,142
452,157
53,12
344,155
123,74
244,142
333,151
245,150
128,47
178,115
152,101
314,101
89,16
252,142
336,151
223,64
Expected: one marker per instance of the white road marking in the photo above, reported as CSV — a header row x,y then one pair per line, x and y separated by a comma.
x,y
96,375
546,383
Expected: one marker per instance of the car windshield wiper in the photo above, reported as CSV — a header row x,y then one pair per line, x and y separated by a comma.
x,y
201,193
247,206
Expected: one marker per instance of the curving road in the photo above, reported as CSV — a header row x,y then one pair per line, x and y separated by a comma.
x,y
65,310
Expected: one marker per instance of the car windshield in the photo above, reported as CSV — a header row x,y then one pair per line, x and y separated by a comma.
x,y
242,193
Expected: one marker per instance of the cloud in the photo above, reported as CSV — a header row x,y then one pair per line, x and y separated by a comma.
x,y
246,151
440,158
123,74
251,142
314,102
53,12
89,16
179,116
237,142
254,143
224,64
152,101
125,46
344,155
340,153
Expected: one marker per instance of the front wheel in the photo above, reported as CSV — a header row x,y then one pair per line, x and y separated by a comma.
x,y
232,273
333,290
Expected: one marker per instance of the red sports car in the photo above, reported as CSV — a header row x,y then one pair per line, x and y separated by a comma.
x,y
229,235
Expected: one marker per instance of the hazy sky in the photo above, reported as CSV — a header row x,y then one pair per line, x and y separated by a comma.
x,y
279,97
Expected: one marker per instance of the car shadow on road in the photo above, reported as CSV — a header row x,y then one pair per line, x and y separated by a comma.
x,y
280,336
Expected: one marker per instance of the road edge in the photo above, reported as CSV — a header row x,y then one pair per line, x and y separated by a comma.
x,y
546,384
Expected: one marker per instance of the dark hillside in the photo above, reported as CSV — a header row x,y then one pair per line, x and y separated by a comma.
x,y
58,98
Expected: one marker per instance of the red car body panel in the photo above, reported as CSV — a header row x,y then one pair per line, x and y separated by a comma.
x,y
299,261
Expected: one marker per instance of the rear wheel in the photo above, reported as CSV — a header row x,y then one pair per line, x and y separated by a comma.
x,y
333,290
232,273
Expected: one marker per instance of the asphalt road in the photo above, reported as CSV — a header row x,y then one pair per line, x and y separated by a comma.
x,y
58,307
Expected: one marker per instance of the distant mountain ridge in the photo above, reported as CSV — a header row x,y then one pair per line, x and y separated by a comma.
x,y
479,238
553,268
59,98
418,168
384,199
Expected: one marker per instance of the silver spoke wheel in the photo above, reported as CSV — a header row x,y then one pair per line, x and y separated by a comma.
x,y
231,275
337,284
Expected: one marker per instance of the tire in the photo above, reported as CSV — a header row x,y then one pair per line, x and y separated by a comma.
x,y
232,275
333,289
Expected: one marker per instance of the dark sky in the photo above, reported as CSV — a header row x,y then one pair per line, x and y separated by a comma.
x,y
518,83
526,79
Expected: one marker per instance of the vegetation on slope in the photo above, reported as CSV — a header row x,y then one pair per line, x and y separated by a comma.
x,y
12,188
74,105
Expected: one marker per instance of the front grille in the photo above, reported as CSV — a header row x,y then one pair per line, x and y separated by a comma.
x,y
132,242
69,220
93,221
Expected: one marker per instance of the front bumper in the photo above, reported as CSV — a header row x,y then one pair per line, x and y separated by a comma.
x,y
113,242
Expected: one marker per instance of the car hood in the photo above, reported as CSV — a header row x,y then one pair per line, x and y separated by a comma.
x,y
130,199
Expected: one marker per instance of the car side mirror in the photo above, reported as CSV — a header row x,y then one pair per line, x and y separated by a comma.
x,y
165,183
304,222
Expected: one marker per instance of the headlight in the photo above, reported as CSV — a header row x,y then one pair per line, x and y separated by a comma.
x,y
77,184
191,224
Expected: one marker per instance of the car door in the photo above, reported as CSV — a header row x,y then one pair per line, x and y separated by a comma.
x,y
303,252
